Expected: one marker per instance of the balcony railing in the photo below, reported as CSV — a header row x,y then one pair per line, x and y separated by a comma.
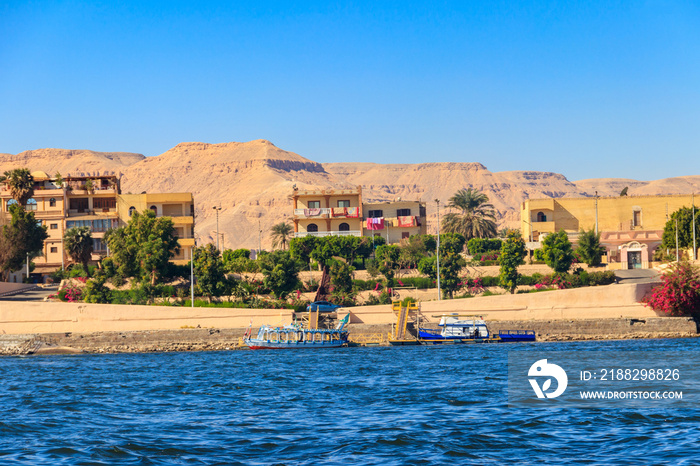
x,y
318,234
322,213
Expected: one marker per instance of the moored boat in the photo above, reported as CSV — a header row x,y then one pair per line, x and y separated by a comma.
x,y
293,336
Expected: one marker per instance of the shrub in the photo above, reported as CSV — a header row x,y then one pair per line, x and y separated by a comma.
x,y
483,245
679,293
96,292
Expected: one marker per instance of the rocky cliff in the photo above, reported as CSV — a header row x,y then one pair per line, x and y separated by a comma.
x,y
252,182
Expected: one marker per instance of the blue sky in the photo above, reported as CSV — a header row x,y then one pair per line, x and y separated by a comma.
x,y
588,89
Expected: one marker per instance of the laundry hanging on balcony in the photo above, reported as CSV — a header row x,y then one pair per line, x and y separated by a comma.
x,y
407,221
312,212
353,212
375,223
339,211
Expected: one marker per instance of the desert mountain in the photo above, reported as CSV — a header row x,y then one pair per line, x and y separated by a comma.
x,y
252,182
69,161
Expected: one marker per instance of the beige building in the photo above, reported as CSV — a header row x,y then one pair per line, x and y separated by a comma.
x,y
328,212
332,212
94,201
401,219
631,227
178,206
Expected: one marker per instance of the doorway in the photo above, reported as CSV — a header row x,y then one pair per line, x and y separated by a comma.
x,y
634,259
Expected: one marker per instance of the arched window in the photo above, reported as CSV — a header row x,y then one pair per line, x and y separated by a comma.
x,y
132,209
11,202
344,227
312,227
541,217
31,204
154,209
52,202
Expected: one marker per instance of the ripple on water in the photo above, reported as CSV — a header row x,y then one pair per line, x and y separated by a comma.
x,y
367,405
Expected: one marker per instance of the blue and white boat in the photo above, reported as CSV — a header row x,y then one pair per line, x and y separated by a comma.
x,y
295,337
456,328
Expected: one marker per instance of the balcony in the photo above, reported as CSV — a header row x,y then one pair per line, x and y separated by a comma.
x,y
305,213
320,234
180,220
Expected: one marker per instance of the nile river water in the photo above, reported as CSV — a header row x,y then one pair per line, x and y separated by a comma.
x,y
411,405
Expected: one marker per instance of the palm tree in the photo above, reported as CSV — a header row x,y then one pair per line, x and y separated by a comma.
x,y
21,184
78,244
476,219
281,234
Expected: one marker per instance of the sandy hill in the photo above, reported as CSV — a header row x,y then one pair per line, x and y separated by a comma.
x,y
69,161
252,182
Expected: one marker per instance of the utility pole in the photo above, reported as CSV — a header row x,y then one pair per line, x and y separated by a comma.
x,y
676,238
259,237
695,254
192,272
596,213
217,209
437,201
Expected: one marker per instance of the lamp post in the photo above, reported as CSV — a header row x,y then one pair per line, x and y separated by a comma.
x,y
217,209
437,201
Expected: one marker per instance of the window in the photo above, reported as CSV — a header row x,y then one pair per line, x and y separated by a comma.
x,y
154,209
98,245
344,227
54,226
132,209
403,212
343,203
375,214
405,235
637,218
80,204
312,227
31,204
52,202
104,203
541,217
314,204
11,202
54,250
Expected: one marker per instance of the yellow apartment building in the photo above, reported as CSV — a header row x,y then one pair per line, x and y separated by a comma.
x,y
94,201
630,227
399,220
178,206
327,212
333,212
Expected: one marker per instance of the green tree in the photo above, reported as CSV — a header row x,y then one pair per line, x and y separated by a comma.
x,y
412,250
19,238
281,273
21,184
144,246
512,255
451,243
209,271
685,230
387,257
341,277
78,244
476,217
280,234
301,248
589,247
450,267
558,252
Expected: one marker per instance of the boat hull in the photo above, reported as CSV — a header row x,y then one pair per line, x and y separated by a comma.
x,y
258,344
